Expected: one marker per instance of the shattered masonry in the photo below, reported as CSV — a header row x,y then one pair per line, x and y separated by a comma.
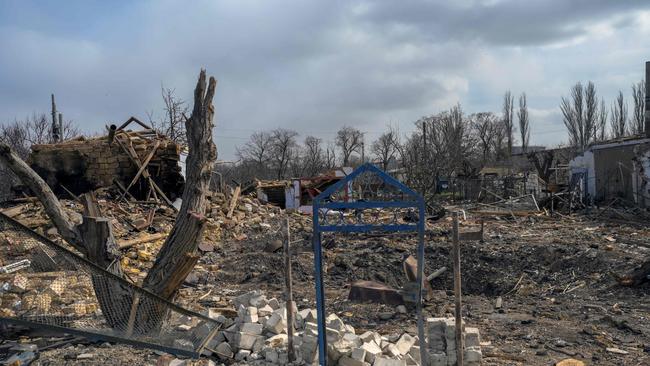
x,y
84,164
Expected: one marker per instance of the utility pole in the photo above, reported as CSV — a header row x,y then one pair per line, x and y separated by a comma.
x,y
60,127
56,133
647,99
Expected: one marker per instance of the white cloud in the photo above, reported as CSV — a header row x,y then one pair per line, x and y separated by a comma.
x,y
314,67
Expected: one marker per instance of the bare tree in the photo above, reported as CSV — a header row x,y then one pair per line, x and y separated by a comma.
x,y
456,134
330,156
618,119
600,133
524,123
15,136
257,153
385,148
579,114
312,156
283,146
508,119
172,124
349,140
485,126
543,162
638,122
421,167
499,140
20,135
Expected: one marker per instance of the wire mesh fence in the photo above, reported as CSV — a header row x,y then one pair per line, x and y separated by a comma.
x,y
46,285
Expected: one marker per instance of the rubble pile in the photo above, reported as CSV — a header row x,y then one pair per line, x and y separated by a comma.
x,y
539,287
257,336
442,343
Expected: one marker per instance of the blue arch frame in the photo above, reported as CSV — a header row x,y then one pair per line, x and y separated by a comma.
x,y
322,202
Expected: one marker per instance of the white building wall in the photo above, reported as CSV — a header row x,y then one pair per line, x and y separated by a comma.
x,y
586,162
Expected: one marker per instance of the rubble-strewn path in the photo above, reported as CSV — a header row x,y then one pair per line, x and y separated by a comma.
x,y
540,289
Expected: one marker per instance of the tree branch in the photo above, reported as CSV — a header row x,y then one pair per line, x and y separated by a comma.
x,y
44,194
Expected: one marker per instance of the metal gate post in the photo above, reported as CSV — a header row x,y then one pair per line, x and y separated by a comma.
x,y
326,201
320,293
420,278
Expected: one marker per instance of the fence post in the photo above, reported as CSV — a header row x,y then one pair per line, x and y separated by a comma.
x,y
289,294
457,291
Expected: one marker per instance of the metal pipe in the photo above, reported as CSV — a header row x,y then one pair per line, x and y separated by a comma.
x,y
60,127
647,99
111,133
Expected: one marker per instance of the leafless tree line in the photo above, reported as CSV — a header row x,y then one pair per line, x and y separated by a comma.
x,y
444,144
277,154
20,135
586,119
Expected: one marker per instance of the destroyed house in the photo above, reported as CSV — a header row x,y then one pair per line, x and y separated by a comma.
x,y
609,169
298,193
144,163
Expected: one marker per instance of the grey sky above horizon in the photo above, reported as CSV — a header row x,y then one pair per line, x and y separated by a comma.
x,y
316,66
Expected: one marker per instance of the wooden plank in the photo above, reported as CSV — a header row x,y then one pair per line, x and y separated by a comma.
x,y
141,240
134,158
472,235
143,166
123,190
233,202
133,119
506,213
14,211
74,196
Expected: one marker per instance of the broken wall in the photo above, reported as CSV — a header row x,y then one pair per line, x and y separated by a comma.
x,y
642,174
614,172
84,164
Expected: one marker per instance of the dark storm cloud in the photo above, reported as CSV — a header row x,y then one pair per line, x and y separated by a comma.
x,y
310,66
515,23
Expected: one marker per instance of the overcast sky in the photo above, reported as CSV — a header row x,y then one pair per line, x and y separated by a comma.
x,y
316,66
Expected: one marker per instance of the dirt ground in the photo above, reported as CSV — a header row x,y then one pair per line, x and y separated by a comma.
x,y
555,276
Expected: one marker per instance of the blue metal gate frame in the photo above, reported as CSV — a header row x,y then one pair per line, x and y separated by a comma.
x,y
323,202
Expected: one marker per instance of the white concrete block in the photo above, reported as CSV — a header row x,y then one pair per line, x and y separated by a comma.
x,y
383,361
372,351
224,350
404,343
251,328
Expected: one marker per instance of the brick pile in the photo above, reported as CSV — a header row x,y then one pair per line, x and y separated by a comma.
x,y
442,343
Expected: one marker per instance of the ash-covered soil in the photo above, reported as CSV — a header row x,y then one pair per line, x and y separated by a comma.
x,y
555,276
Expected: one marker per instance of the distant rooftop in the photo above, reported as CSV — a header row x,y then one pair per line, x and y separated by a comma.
x,y
518,150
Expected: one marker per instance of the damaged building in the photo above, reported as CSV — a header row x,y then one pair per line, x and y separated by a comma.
x,y
298,193
609,170
143,162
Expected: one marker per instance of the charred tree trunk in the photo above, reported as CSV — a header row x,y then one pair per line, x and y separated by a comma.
x,y
94,239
